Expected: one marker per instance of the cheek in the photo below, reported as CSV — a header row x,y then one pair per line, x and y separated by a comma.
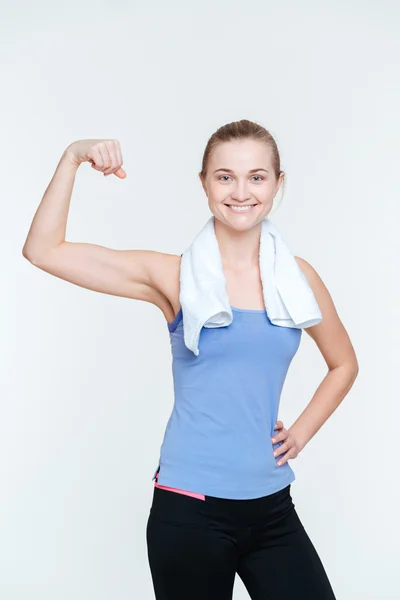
x,y
217,194
266,194
271,187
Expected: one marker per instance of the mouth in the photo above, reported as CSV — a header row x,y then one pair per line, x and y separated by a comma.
x,y
240,208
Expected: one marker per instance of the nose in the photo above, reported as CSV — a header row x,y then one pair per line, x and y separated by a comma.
x,y
240,192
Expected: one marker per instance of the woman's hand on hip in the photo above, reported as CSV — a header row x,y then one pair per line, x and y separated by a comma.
x,y
289,448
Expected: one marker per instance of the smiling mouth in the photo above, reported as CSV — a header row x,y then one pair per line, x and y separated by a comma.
x,y
239,208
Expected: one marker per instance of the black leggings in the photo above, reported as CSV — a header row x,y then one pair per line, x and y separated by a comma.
x,y
195,548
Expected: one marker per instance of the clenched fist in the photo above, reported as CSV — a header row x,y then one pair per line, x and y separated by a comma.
x,y
104,155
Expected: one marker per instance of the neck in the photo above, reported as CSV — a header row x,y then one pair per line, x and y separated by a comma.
x,y
239,249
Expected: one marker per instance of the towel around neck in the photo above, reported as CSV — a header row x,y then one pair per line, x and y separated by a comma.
x,y
288,297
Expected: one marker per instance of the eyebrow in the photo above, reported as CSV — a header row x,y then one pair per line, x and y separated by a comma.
x,y
230,170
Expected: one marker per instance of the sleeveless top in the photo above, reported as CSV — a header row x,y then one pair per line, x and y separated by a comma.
x,y
217,440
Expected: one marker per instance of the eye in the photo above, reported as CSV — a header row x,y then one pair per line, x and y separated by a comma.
x,y
225,177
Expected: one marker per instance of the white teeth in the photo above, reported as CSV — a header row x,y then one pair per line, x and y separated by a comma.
x,y
240,208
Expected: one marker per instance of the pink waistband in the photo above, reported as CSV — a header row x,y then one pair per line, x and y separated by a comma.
x,y
184,492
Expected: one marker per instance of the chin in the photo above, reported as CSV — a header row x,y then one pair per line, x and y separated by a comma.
x,y
244,224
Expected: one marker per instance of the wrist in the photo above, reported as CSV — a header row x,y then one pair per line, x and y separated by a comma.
x,y
300,443
68,157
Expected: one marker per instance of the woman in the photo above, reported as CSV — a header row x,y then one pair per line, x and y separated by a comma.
x,y
219,508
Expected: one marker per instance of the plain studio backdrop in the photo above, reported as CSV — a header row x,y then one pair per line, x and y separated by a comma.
x,y
86,382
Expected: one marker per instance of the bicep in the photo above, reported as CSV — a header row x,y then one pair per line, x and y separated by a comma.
x,y
129,273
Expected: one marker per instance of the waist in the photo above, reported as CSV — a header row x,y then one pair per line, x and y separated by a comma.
x,y
178,491
265,510
227,458
224,478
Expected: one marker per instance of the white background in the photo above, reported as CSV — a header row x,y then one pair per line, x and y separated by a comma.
x,y
86,383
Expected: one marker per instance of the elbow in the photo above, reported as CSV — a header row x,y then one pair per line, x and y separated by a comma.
x,y
30,256
354,365
348,371
352,370
26,253
351,366
355,370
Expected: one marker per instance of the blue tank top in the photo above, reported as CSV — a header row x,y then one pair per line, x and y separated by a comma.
x,y
217,440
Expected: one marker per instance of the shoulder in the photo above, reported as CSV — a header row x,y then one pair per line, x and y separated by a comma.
x,y
315,280
308,270
317,285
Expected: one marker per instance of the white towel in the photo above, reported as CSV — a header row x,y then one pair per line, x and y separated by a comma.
x,y
288,297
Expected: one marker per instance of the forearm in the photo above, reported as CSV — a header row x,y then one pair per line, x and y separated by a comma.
x,y
329,394
49,224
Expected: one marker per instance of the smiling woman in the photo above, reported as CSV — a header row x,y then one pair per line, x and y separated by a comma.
x,y
222,496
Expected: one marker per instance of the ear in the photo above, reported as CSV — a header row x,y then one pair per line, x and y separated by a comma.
x,y
280,181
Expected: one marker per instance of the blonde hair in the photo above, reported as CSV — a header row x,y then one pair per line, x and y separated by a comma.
x,y
241,130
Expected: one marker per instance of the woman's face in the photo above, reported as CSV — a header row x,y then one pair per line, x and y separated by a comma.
x,y
240,173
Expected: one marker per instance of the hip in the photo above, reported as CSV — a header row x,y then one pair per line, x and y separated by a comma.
x,y
215,512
